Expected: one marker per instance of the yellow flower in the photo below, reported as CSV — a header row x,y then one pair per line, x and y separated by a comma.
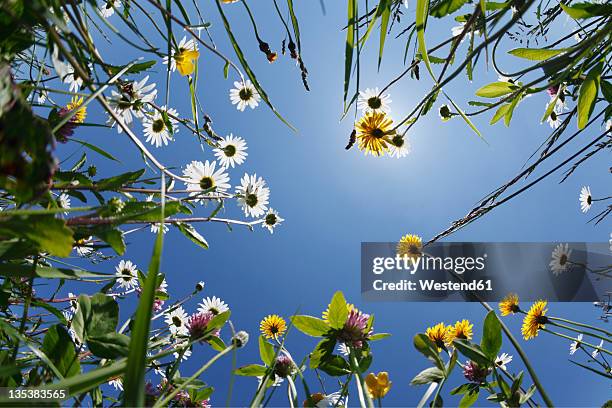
x,y
437,334
461,330
185,61
509,304
534,320
371,132
378,385
325,313
81,113
273,326
410,245
228,1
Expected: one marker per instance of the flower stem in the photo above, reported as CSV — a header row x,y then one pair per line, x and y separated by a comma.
x,y
579,331
558,319
364,396
603,350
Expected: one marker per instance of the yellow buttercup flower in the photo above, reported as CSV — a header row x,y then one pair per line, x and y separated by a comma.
x,y
273,326
325,313
378,385
437,334
185,61
410,245
461,330
509,304
371,132
534,320
81,113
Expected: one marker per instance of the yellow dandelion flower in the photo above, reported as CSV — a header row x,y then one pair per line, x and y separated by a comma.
x,y
437,334
371,132
410,245
81,113
509,304
273,326
534,320
185,61
325,313
461,330
378,385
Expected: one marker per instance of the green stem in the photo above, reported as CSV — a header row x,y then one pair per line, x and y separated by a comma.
x,y
603,350
364,396
579,331
558,319
210,362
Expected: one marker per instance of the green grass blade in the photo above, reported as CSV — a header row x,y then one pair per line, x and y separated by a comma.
x,y
247,68
421,20
465,118
294,23
384,24
134,395
350,46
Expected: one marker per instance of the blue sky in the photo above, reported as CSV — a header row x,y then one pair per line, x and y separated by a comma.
x,y
333,200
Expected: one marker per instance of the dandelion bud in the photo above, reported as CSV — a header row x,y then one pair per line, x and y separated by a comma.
x,y
240,339
92,171
445,113
292,50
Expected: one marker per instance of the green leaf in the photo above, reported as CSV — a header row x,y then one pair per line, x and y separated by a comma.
x,y
429,375
294,23
536,54
216,343
379,336
465,118
104,315
134,394
95,149
587,10
218,321
134,69
247,68
510,111
81,317
496,89
251,370
469,398
587,96
190,232
473,352
446,7
310,325
606,90
335,366
266,351
89,380
113,237
322,351
424,344
350,45
58,346
338,311
113,183
27,271
49,234
491,336
500,113
110,345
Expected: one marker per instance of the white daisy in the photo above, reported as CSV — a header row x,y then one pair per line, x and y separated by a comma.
x,y
457,30
243,95
186,353
399,147
272,220
231,151
213,305
554,120
63,201
370,101
42,96
155,227
83,246
184,45
177,321
73,302
156,129
585,199
608,124
108,7
277,381
65,72
560,259
127,275
503,78
163,286
253,195
203,177
333,400
595,352
343,349
502,360
117,383
132,100
575,344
